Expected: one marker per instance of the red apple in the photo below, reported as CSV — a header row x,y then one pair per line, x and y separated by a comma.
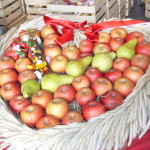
x,y
26,75
80,82
72,116
84,95
46,30
9,52
10,90
111,99
93,73
133,73
21,64
121,63
47,122
57,107
72,52
86,46
8,75
92,109
31,114
18,103
66,92
41,97
143,48
101,47
116,42
141,60
135,35
52,50
101,85
6,62
84,54
58,63
113,74
124,86
50,39
104,37
119,32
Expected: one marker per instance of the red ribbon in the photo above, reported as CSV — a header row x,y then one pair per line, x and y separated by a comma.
x,y
91,31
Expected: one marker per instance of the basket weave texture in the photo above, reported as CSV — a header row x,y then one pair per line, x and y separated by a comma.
x,y
114,129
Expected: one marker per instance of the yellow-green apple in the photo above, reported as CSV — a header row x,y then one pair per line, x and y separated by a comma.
x,y
133,73
58,63
84,95
66,92
41,97
31,114
124,86
104,37
101,47
72,116
111,99
92,109
57,107
10,90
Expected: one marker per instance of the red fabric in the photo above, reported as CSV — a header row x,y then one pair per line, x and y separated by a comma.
x,y
137,144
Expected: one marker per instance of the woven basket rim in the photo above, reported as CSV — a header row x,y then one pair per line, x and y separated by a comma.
x,y
102,132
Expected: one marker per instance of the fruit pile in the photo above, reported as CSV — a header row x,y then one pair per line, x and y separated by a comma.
x,y
41,80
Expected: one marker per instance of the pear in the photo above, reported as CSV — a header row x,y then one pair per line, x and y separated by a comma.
x,y
103,61
29,87
52,81
78,67
127,50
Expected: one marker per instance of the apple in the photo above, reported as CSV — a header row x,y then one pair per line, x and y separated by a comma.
x,y
141,60
52,50
93,73
72,116
84,54
143,48
121,63
58,63
101,85
135,35
9,52
47,122
111,99
10,90
26,75
18,103
84,95
50,39
8,75
116,42
119,32
92,109
80,82
124,86
57,107
66,92
86,46
133,73
46,30
6,62
113,74
21,64
31,114
104,37
72,52
101,47
41,97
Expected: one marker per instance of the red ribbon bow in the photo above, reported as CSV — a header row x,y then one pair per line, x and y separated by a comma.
x,y
91,31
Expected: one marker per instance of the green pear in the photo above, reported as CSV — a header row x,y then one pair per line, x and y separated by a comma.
x,y
103,61
52,81
127,50
78,66
29,87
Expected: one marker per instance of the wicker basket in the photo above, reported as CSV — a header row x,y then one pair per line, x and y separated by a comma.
x,y
114,129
